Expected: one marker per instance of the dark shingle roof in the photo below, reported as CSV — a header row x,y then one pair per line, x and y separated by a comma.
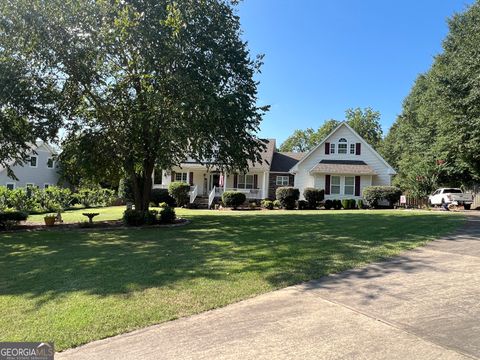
x,y
284,161
343,167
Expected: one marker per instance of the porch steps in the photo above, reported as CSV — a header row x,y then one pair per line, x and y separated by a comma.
x,y
201,202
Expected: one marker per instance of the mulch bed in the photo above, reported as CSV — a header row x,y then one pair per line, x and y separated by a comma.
x,y
98,225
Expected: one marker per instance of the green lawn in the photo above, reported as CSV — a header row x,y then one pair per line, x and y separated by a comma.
x,y
72,287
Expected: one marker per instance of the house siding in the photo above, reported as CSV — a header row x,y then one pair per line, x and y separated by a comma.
x,y
272,183
304,179
39,175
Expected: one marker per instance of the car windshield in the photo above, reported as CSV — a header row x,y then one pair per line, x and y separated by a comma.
x,y
452,191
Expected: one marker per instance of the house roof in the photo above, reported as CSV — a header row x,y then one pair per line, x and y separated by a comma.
x,y
267,156
354,167
284,161
343,123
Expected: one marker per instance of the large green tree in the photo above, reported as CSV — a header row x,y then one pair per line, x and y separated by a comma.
x,y
437,134
364,121
154,82
26,109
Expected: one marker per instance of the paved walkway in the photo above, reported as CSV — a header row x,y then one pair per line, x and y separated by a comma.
x,y
424,304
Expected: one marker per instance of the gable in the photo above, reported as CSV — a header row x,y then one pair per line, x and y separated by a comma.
x,y
351,138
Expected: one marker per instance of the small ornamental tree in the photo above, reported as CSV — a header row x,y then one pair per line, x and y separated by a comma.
x,y
374,194
179,191
233,199
313,197
287,196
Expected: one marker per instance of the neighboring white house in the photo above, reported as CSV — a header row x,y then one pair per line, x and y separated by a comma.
x,y
41,169
342,164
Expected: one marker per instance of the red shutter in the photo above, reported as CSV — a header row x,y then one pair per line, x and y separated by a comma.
x,y
327,148
358,148
357,185
235,181
255,181
327,184
173,176
190,178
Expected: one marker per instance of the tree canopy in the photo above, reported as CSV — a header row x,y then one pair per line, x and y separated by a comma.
x,y
152,82
434,141
364,121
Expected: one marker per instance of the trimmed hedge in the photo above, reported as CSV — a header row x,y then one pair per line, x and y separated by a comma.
x,y
328,204
11,218
179,191
313,197
349,204
303,204
233,199
374,194
167,215
287,196
337,204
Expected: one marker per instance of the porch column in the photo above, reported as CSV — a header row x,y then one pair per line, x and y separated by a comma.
x,y
265,186
224,182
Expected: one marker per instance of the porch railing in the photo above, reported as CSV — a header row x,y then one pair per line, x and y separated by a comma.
x,y
193,193
249,193
211,197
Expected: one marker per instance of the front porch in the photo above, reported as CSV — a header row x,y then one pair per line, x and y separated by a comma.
x,y
207,186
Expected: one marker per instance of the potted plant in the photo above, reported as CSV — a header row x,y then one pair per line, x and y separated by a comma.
x,y
50,219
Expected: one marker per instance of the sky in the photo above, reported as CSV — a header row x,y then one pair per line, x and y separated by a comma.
x,y
323,57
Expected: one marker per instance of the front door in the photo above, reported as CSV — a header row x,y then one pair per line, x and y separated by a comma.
x,y
214,181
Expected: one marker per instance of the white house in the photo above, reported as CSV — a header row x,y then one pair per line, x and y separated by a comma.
x,y
343,164
40,170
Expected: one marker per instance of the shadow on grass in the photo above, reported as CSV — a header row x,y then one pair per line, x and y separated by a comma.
x,y
284,248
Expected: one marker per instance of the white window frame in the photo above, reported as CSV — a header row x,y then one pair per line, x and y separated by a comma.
x,y
336,185
242,180
343,142
282,180
352,186
53,163
352,148
10,183
332,148
36,161
183,177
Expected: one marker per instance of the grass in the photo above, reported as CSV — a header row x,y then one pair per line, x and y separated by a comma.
x,y
72,287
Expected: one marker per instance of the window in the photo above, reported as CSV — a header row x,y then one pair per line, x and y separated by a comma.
x,y
335,185
342,146
349,188
352,149
182,177
30,185
11,186
282,180
245,181
332,148
33,161
50,163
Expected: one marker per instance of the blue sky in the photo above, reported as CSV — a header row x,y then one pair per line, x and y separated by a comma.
x,y
322,57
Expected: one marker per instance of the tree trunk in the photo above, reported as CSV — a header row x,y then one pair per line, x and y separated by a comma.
x,y
142,186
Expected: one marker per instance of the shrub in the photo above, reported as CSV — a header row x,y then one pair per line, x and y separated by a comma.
x,y
253,205
313,197
125,190
277,204
328,204
12,218
94,197
133,217
303,204
267,204
161,196
167,215
374,194
287,196
360,204
349,203
179,191
337,204
151,217
233,198
163,205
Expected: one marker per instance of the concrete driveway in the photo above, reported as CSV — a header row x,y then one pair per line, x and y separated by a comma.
x,y
424,304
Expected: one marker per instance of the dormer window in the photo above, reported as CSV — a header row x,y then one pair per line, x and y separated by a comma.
x,y
342,146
